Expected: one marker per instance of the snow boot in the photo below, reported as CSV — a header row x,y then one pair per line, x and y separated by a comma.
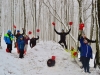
x,y
7,50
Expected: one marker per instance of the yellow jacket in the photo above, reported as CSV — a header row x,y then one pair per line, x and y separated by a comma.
x,y
73,53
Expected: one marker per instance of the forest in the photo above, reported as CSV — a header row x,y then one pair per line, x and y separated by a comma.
x,y
34,15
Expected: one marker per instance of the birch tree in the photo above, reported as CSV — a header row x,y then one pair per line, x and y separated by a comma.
x,y
24,15
97,56
0,25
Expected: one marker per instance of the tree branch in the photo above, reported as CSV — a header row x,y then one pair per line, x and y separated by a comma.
x,y
87,18
87,7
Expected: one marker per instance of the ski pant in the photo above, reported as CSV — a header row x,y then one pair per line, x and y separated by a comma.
x,y
21,54
9,47
64,42
85,63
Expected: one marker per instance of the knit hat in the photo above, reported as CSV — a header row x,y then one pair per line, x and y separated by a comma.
x,y
18,30
9,31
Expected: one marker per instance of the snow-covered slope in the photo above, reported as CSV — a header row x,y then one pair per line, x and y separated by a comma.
x,y
35,61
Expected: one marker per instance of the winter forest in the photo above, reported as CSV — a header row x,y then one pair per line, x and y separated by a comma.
x,y
40,14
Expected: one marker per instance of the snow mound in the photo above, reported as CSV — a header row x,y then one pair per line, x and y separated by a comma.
x,y
35,62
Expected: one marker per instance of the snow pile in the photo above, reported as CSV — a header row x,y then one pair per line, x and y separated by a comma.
x,y
35,62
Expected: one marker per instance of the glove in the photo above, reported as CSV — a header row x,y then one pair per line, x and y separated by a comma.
x,y
6,43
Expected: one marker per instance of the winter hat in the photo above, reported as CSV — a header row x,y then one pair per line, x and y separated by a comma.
x,y
18,30
9,31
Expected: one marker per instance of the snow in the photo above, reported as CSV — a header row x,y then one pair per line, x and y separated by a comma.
x,y
35,61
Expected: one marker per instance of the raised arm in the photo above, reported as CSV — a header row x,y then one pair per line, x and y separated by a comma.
x,y
91,41
56,31
68,32
37,38
15,32
23,31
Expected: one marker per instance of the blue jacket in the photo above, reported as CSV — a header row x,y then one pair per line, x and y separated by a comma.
x,y
85,49
8,38
21,44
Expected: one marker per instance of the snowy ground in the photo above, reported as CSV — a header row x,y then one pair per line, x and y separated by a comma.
x,y
35,61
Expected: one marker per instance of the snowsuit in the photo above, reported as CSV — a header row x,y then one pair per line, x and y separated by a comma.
x,y
17,37
73,53
21,44
62,37
86,54
33,41
8,39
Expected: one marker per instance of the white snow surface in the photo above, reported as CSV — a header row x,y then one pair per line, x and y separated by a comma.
x,y
35,61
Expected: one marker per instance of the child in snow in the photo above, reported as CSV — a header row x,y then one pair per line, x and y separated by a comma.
x,y
33,41
26,38
8,37
73,53
21,45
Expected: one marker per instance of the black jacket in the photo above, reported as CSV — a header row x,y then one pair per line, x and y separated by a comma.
x,y
33,41
62,35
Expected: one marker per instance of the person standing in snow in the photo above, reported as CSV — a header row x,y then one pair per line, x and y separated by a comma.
x,y
83,36
26,38
8,37
86,54
33,41
62,36
21,45
17,37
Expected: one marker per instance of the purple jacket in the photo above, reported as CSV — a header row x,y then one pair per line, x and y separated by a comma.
x,y
26,40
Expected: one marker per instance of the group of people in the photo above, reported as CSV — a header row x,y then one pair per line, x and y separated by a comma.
x,y
85,49
21,42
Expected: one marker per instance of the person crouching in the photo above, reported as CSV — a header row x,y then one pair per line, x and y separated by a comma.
x,y
21,45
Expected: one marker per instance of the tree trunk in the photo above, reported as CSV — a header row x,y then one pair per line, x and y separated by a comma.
x,y
92,20
97,56
24,15
0,25
98,6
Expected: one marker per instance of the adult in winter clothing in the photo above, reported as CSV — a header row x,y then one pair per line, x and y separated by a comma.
x,y
18,33
21,45
82,42
8,37
62,36
17,37
86,54
33,41
26,38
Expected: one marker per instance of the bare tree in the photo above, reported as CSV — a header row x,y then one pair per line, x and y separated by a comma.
x,y
97,56
98,6
24,14
0,25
